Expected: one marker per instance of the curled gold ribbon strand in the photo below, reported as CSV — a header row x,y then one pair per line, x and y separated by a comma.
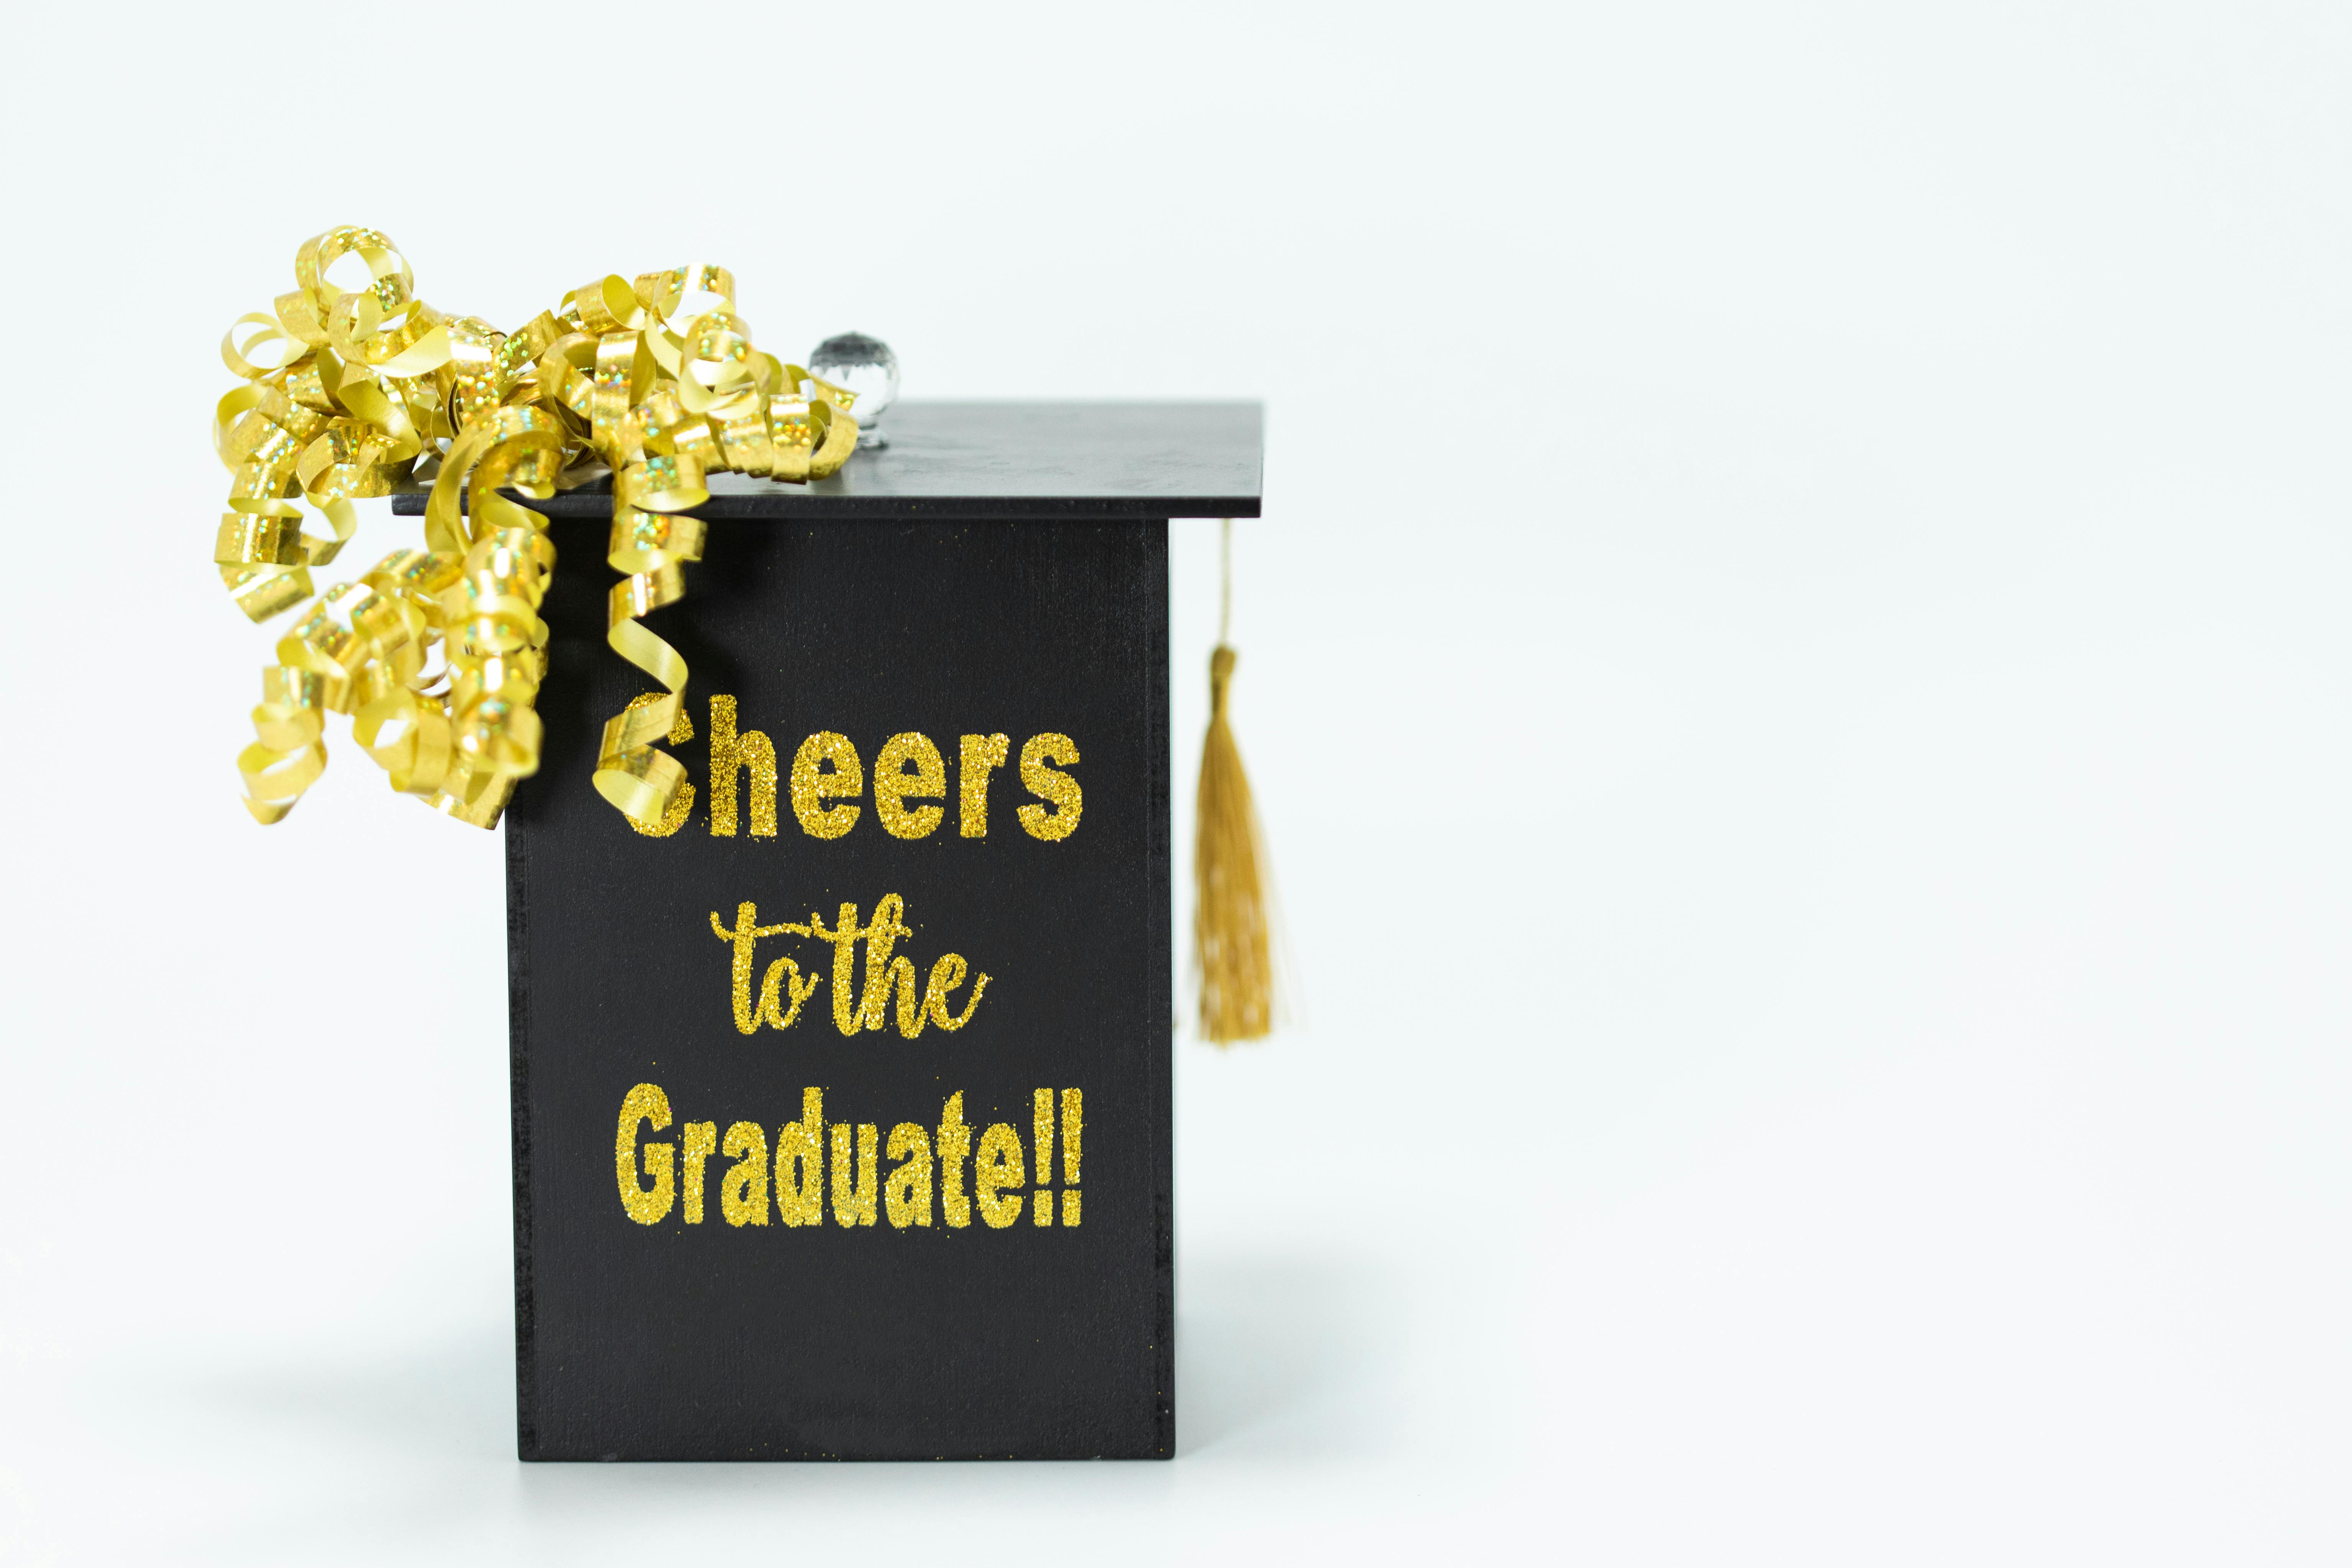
x,y
437,654
646,784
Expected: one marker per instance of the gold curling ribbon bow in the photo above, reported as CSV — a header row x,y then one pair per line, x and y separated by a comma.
x,y
437,654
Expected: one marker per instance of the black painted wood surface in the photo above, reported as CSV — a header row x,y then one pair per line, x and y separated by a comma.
x,y
1005,460
711,1341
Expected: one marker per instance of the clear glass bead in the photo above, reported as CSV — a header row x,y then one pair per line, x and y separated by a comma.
x,y
865,366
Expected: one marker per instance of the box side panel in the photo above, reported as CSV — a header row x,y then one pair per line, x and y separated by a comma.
x,y
715,1327
517,847
1159,982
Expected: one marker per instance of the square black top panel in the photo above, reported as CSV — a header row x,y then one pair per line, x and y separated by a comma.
x,y
970,462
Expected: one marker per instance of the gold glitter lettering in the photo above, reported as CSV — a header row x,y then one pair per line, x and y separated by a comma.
x,y
893,785
1046,784
674,816
800,1163
911,1013
743,1191
827,767
946,975
751,751
748,930
996,1167
847,1015
783,990
981,753
1073,1120
955,1142
784,982
812,789
882,971
647,1206
1041,1143
701,1139
654,1174
907,1194
853,1202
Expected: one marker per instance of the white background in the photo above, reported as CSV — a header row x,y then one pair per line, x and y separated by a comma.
x,y
1795,666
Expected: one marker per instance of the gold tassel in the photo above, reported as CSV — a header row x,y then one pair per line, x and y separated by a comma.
x,y
1232,950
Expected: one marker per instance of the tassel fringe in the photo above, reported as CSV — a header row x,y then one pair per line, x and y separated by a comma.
x,y
1231,927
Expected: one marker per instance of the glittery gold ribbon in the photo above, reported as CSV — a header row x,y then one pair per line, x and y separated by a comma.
x,y
437,654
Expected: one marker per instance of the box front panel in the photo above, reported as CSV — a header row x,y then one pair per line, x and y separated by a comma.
x,y
845,1133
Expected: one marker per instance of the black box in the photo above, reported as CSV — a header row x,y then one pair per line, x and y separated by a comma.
x,y
726,1243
